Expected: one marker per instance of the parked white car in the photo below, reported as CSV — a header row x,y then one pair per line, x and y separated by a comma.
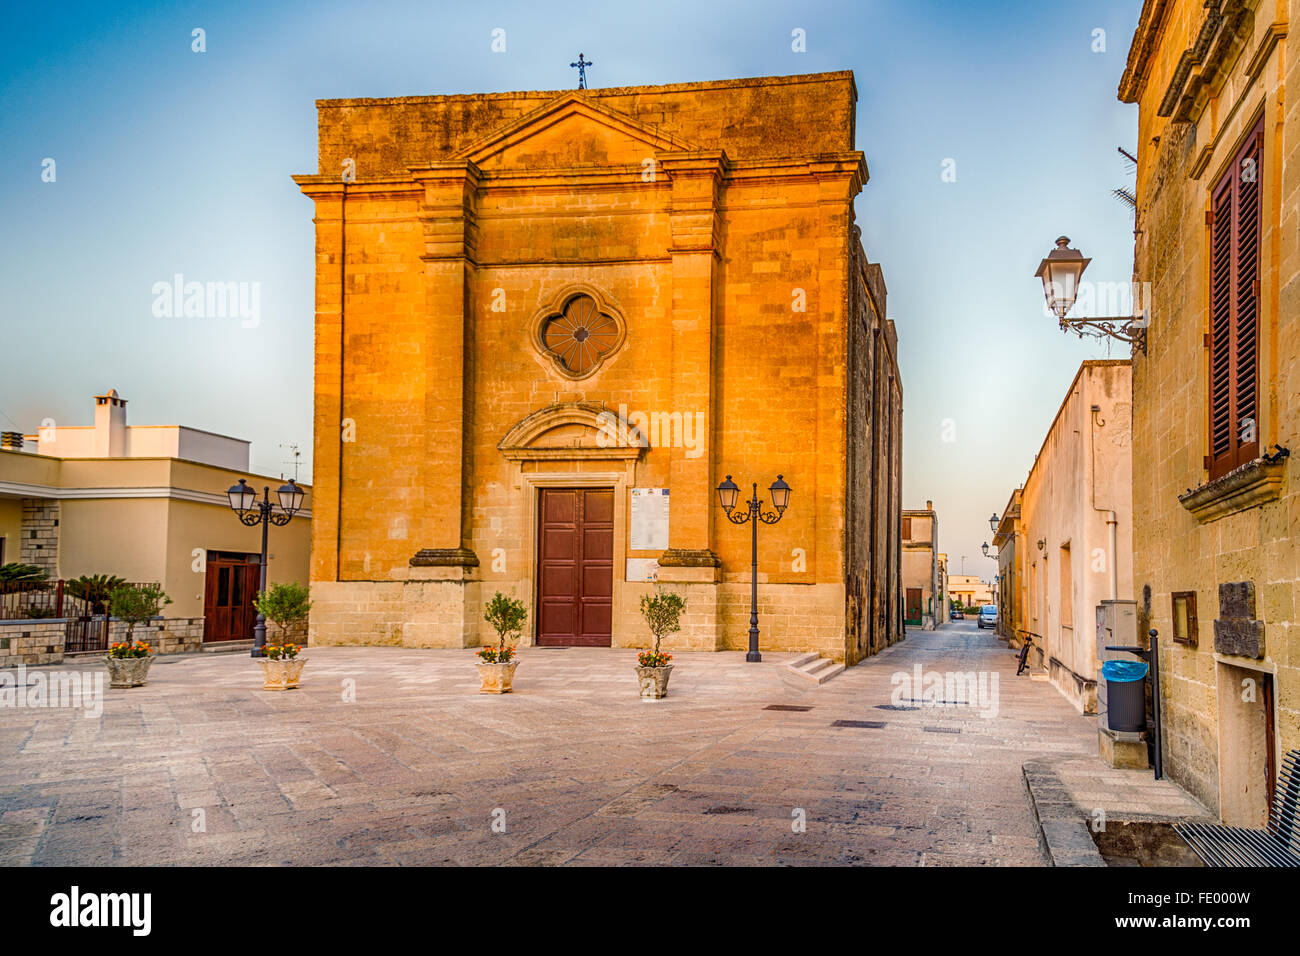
x,y
988,616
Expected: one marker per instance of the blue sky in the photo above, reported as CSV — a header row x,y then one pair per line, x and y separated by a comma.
x,y
170,161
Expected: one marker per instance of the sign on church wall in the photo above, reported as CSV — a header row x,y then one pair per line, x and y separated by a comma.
x,y
649,520
642,569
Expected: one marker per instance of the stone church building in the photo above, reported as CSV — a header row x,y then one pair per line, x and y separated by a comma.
x,y
549,324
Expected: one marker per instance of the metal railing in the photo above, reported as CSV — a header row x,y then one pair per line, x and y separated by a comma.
x,y
48,599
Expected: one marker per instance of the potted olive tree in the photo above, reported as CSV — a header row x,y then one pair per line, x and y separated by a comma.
x,y
662,613
496,667
284,605
128,661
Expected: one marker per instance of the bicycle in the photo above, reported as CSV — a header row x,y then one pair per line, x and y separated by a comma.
x,y
1023,663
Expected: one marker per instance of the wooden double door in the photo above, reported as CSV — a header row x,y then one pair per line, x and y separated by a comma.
x,y
575,561
230,589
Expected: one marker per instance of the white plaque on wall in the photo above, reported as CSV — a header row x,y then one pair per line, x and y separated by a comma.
x,y
649,520
642,569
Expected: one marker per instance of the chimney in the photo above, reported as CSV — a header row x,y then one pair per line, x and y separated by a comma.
x,y
929,505
110,425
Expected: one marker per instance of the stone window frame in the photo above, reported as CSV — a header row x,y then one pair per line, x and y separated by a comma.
x,y
554,307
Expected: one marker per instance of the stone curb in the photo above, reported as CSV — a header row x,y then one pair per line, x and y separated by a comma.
x,y
1062,828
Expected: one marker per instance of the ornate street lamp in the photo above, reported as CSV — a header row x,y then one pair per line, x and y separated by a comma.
x,y
1061,272
728,491
985,548
243,501
994,521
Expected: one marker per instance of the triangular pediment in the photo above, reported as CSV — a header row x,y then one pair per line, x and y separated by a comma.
x,y
572,130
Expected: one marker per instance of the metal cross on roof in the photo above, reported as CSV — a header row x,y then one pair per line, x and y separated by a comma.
x,y
582,71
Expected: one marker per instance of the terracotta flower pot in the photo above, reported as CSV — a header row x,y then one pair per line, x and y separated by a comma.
x,y
654,681
128,671
283,674
497,678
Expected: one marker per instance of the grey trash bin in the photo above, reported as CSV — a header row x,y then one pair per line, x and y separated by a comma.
x,y
1126,697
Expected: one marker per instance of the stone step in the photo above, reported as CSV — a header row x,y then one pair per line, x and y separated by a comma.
x,y
223,647
815,668
803,659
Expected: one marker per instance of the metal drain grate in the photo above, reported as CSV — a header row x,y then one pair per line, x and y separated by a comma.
x,y
790,707
894,707
869,724
942,730
728,810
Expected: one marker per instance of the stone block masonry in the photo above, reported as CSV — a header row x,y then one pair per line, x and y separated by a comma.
x,y
44,641
40,534
709,230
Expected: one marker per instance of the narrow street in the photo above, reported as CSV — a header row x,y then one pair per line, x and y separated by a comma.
x,y
201,766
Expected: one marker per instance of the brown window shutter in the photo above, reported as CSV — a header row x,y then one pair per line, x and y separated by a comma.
x,y
1222,262
1246,320
1234,310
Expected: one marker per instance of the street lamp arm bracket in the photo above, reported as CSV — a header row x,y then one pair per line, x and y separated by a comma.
x,y
1130,329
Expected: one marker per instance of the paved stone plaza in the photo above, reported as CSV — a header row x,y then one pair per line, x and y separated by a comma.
x,y
418,767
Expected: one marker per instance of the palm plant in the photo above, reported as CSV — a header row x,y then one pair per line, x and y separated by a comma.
x,y
94,589
16,577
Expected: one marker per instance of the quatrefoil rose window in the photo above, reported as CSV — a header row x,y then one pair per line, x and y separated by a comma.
x,y
578,333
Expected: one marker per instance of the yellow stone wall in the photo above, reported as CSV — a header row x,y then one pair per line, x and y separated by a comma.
x,y
1243,75
716,221
1082,471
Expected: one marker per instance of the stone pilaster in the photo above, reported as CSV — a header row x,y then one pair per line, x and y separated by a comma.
x,y
689,564
447,217
40,534
440,606
696,188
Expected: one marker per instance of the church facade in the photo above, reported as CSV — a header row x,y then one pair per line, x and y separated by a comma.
x,y
550,324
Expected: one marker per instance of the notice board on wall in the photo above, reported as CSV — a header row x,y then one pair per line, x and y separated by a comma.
x,y
649,519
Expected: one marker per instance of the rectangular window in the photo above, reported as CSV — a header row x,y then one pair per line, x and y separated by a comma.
x,y
1235,247
907,529
1184,615
1067,588
1033,589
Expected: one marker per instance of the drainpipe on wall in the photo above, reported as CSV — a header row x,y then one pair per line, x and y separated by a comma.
x,y
1112,522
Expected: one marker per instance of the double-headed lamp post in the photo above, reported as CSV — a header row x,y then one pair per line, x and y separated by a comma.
x,y
728,491
243,500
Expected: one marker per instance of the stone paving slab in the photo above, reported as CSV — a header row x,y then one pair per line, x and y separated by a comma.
x,y
390,756
1070,795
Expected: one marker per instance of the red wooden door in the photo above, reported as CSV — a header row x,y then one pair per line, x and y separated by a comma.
x,y
229,591
575,580
912,606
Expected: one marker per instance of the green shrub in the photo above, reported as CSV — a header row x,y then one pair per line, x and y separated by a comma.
x,y
16,577
507,616
285,604
661,614
136,604
94,589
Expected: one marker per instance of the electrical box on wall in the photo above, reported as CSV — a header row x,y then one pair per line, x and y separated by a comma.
x,y
1116,627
